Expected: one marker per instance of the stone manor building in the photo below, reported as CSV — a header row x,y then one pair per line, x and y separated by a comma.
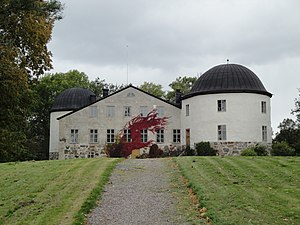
x,y
228,106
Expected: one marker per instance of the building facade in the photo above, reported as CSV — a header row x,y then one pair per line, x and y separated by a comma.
x,y
227,106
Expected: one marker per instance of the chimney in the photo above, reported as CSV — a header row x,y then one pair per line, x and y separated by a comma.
x,y
105,92
178,97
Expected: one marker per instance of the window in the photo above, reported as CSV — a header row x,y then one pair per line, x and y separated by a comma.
x,y
160,111
110,111
187,110
110,136
93,136
263,107
160,136
143,110
127,111
93,111
130,94
176,135
221,132
221,105
144,136
127,135
264,133
74,136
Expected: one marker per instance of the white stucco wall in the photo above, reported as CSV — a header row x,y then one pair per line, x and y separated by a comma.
x,y
82,120
243,117
54,130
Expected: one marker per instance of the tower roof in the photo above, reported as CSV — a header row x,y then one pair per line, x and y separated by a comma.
x,y
72,99
228,78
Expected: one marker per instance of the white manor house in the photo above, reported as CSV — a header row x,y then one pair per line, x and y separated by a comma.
x,y
228,106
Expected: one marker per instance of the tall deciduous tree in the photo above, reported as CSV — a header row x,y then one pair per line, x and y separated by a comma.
x,y
25,29
183,84
152,88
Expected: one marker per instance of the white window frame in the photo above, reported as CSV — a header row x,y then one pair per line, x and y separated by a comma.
x,y
110,136
127,111
127,135
110,111
143,111
222,133
160,111
176,136
93,111
160,136
93,135
263,107
221,105
144,136
187,110
264,133
74,136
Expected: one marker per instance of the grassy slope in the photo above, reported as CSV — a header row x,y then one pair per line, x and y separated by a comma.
x,y
246,190
47,192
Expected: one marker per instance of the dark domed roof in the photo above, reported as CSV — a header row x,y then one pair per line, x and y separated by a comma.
x,y
228,78
72,99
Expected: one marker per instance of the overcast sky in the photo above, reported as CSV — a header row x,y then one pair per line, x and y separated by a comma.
x,y
164,39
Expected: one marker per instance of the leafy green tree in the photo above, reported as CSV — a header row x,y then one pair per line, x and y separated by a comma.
x,y
183,84
25,29
152,88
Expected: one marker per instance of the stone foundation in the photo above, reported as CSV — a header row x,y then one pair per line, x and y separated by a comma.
x,y
234,148
53,155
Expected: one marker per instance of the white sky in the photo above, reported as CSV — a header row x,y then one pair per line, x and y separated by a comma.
x,y
171,38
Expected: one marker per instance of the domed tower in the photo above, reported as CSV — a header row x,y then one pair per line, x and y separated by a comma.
x,y
66,102
229,107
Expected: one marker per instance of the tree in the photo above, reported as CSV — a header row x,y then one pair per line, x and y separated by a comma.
x,y
183,84
44,91
152,88
25,29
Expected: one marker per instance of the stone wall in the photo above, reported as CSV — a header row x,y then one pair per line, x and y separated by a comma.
x,y
234,148
53,155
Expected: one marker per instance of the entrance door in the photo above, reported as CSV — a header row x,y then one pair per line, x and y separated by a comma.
x,y
187,137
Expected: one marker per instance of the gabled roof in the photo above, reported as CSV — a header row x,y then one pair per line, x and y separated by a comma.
x,y
121,90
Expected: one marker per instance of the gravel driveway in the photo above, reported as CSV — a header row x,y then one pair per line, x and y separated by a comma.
x,y
138,192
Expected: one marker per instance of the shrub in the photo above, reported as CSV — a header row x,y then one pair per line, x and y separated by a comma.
x,y
154,151
260,150
189,151
282,149
248,152
204,149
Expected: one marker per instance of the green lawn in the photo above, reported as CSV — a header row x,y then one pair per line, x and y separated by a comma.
x,y
50,192
246,190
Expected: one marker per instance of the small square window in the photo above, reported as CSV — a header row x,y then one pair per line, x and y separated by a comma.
x,y
110,136
264,133
127,135
93,111
176,136
160,111
74,136
160,136
143,111
222,132
263,107
93,136
187,110
221,105
127,111
110,111
144,136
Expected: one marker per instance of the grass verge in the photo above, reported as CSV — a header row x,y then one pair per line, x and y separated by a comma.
x,y
50,192
246,190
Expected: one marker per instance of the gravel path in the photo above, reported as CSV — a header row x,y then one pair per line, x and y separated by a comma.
x,y
139,192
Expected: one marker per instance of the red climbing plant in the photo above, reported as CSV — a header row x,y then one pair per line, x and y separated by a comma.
x,y
151,122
